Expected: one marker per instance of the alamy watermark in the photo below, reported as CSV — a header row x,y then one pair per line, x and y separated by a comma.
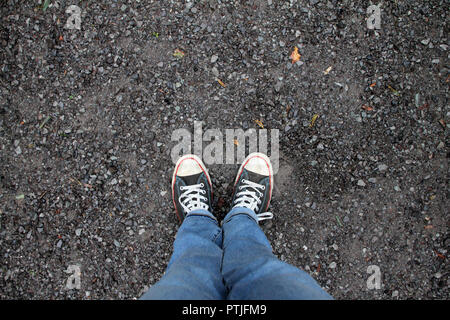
x,y
213,151
374,19
374,281
74,280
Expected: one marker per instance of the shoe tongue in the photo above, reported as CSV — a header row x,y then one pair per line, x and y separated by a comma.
x,y
193,179
255,177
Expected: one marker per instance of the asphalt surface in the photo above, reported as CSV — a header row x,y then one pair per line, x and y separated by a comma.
x,y
86,118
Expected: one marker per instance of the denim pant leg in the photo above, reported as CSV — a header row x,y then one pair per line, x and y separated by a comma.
x,y
193,271
250,269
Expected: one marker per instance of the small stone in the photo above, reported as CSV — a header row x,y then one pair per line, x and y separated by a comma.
x,y
382,167
59,244
332,265
116,243
78,232
361,183
214,58
278,86
215,72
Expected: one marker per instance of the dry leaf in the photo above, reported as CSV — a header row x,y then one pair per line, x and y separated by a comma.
x,y
367,108
327,71
178,53
313,120
259,123
295,56
221,83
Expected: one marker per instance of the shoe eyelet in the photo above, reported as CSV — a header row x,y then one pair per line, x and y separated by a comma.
x,y
264,187
202,185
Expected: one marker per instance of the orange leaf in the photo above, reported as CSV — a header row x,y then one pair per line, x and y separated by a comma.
x,y
259,123
367,108
221,83
295,56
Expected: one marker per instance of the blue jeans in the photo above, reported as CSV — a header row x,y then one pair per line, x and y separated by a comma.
x,y
232,262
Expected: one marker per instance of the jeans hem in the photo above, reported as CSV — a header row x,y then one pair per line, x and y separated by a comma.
x,y
201,212
241,210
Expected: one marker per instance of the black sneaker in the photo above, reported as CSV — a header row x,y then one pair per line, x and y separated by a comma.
x,y
191,186
254,184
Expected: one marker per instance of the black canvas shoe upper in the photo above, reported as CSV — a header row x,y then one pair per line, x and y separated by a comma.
x,y
254,190
190,192
191,186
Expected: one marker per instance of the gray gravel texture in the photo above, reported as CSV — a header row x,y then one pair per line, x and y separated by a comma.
x,y
86,118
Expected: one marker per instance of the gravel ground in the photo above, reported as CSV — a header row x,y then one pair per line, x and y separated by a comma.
x,y
86,118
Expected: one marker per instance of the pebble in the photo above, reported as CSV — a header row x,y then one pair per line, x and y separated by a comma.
x,y
333,265
215,72
361,183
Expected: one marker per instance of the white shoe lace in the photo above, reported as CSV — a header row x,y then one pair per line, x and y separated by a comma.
x,y
251,199
192,198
